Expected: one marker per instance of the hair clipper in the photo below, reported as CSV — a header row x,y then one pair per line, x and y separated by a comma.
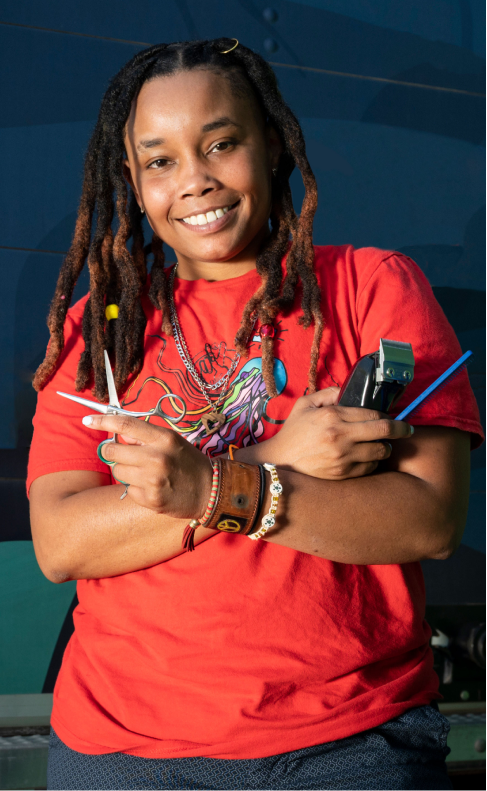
x,y
378,380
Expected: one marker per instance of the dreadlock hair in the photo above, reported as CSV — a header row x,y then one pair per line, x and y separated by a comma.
x,y
118,275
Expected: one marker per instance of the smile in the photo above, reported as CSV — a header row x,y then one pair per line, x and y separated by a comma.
x,y
211,220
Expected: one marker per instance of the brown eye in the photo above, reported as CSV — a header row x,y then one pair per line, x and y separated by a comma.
x,y
226,143
158,163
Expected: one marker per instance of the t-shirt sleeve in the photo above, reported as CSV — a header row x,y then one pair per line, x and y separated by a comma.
x,y
60,440
395,301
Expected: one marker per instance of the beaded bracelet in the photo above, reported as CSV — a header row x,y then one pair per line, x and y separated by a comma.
x,y
213,495
188,535
269,520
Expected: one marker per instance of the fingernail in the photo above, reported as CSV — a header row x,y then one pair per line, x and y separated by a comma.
x,y
88,420
412,430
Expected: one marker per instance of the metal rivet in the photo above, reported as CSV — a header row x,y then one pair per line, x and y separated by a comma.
x,y
479,745
407,374
465,694
270,45
390,372
270,15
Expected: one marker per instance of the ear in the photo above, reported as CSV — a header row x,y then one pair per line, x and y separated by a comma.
x,y
275,145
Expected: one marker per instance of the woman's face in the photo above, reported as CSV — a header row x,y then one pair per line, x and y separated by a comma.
x,y
199,159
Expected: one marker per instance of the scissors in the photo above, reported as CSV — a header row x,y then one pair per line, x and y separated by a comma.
x,y
114,408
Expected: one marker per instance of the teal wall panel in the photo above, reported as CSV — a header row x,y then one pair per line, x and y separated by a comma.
x,y
451,21
50,78
42,183
31,616
369,194
9,275
474,537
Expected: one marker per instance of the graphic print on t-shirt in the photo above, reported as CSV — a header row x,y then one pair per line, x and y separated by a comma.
x,y
244,404
339,648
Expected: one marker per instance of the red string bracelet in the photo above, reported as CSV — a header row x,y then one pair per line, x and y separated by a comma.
x,y
188,535
213,494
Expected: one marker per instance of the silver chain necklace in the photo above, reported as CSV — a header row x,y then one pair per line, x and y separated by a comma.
x,y
214,419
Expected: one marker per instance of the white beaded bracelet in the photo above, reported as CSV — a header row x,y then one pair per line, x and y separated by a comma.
x,y
269,520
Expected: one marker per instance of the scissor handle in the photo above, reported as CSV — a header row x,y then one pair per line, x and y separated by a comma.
x,y
158,411
111,464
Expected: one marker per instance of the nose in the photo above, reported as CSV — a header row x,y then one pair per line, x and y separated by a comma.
x,y
196,179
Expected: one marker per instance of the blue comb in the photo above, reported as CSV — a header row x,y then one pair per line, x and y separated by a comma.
x,y
442,380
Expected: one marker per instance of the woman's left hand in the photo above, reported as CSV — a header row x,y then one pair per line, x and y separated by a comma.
x,y
165,472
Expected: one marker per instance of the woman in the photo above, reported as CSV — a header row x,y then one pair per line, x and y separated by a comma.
x,y
299,659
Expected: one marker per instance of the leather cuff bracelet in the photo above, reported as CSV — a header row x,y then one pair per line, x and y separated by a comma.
x,y
239,496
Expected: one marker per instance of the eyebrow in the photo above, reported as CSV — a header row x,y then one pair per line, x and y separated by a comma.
x,y
157,141
217,124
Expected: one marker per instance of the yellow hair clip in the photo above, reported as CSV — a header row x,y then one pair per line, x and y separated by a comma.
x,y
231,48
111,312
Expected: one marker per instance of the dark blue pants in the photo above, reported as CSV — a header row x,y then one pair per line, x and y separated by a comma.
x,y
406,753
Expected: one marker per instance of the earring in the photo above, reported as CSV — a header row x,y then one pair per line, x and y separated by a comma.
x,y
274,171
142,210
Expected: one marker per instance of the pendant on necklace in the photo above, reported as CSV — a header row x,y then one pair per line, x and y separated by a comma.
x,y
212,421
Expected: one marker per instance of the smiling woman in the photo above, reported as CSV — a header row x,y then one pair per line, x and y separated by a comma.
x,y
282,661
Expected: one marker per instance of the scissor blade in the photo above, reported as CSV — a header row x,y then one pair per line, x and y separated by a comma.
x,y
112,393
86,402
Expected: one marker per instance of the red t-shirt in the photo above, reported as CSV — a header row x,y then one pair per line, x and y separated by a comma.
x,y
247,649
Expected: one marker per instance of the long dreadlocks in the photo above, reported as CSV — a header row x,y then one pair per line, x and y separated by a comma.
x,y
118,275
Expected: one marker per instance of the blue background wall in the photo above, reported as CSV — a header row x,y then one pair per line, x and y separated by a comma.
x,y
390,97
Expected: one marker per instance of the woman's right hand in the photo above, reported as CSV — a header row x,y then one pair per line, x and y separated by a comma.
x,y
324,440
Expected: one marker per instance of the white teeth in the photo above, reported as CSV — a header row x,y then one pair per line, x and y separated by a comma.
x,y
203,219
